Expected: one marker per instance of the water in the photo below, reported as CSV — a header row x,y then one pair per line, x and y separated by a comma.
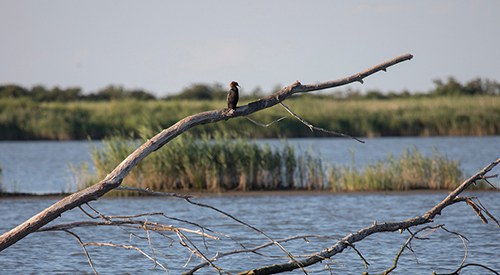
x,y
330,215
44,166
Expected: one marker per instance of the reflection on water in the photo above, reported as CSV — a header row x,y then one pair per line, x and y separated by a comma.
x,y
43,166
331,215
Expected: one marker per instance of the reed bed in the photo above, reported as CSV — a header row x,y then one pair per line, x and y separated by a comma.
x,y
415,116
211,163
411,171
220,163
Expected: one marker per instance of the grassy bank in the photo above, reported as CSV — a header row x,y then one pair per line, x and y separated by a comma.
x,y
415,116
222,164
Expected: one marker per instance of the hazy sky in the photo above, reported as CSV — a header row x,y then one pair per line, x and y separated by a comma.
x,y
164,46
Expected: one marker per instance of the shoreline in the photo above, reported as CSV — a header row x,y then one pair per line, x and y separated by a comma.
x,y
277,137
198,194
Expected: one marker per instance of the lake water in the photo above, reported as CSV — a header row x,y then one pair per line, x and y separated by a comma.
x,y
330,215
42,167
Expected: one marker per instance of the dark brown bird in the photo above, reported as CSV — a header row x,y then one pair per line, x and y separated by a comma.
x,y
233,96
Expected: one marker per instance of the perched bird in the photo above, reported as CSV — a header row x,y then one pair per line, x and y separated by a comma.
x,y
233,96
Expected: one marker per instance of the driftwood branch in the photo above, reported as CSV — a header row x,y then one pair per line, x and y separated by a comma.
x,y
254,250
350,239
114,179
127,222
407,244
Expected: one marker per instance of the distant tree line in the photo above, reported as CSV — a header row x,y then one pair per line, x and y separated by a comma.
x,y
199,91
42,94
450,87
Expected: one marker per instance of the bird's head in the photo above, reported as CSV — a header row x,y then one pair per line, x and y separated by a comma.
x,y
233,84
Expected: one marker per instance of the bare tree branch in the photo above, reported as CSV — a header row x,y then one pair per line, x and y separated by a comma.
x,y
375,228
154,193
115,178
456,272
292,258
407,244
252,250
145,225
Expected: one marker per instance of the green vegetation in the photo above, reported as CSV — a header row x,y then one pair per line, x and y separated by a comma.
x,y
41,94
217,91
219,163
411,171
212,164
479,115
64,114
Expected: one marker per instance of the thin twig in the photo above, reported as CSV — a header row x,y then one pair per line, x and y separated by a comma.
x,y
365,262
406,245
153,226
476,209
456,272
251,227
87,213
150,244
99,214
487,212
151,192
254,250
84,250
312,127
464,240
128,247
375,228
196,251
265,125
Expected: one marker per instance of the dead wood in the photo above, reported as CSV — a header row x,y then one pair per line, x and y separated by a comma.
x,y
350,239
114,179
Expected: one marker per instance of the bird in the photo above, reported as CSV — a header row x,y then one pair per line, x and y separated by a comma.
x,y
233,96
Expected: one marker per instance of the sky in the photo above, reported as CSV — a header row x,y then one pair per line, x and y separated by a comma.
x,y
166,46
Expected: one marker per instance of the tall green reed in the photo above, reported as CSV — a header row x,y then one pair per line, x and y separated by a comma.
x,y
211,163
220,162
411,171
